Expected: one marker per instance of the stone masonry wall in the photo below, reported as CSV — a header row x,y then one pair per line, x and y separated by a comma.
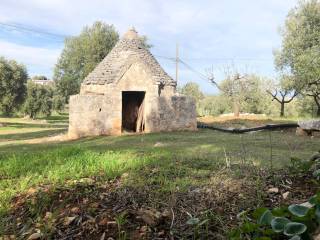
x,y
93,115
177,113
98,108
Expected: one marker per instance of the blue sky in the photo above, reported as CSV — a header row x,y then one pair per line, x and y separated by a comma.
x,y
211,33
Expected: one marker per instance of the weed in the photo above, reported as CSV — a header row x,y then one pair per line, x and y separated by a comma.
x,y
121,220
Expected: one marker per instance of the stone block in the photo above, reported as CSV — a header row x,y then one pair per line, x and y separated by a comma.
x,y
302,132
310,124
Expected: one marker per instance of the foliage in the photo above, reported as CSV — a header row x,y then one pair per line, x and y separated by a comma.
x,y
192,89
300,52
214,105
283,92
58,102
297,221
39,100
81,54
305,106
247,93
145,42
13,78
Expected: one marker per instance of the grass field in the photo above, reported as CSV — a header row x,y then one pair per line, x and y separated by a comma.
x,y
158,166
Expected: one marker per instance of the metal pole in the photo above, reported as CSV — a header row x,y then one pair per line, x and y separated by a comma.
x,y
177,61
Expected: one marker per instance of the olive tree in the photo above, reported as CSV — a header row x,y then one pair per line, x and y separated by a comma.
x,y
283,92
39,100
80,56
13,78
300,51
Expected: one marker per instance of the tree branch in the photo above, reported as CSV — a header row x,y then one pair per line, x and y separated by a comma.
x,y
274,96
292,97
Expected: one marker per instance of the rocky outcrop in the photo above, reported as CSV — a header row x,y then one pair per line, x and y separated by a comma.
x,y
309,128
310,125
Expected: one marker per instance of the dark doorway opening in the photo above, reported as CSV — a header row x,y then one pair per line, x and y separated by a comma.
x,y
133,111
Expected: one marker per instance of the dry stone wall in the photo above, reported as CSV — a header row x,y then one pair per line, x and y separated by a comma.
x,y
93,115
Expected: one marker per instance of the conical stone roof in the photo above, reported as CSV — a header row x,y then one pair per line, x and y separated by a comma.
x,y
126,52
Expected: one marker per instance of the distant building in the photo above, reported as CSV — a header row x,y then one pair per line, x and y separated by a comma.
x,y
43,81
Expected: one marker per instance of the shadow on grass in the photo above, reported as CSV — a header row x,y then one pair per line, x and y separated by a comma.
x,y
34,125
31,135
208,144
238,123
61,118
153,183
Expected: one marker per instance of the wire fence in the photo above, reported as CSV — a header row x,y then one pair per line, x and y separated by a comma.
x,y
272,148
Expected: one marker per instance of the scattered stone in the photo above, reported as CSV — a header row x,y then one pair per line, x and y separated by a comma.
x,y
125,175
159,144
86,180
103,222
75,210
316,237
166,213
68,220
35,236
285,195
144,229
112,223
196,190
31,191
306,204
301,132
161,233
273,190
150,217
48,215
103,236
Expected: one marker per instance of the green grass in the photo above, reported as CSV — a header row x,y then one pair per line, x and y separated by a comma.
x,y
163,161
19,172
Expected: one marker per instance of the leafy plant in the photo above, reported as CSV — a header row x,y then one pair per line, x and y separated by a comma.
x,y
295,222
196,223
298,165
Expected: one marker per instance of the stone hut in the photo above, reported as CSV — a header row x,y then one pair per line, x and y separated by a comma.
x,y
129,92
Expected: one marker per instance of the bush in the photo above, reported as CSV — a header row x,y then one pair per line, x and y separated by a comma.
x,y
214,106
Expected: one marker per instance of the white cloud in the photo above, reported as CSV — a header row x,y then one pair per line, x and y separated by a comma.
x,y
30,56
204,28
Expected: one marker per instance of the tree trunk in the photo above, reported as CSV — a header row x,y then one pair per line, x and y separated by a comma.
x,y
282,109
317,100
236,109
